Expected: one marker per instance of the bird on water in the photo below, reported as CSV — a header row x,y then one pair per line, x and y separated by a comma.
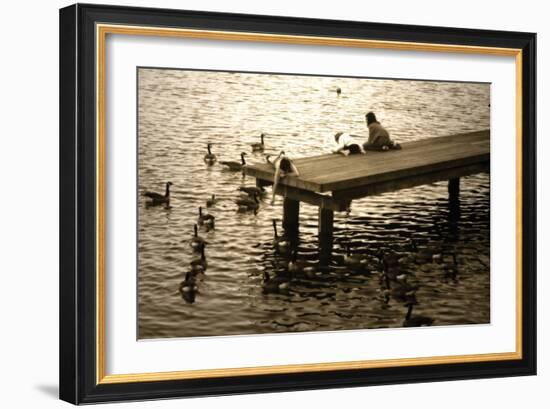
x,y
157,198
258,146
248,203
205,219
197,242
235,166
212,201
210,158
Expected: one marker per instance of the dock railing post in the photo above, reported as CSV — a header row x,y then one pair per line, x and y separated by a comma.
x,y
326,228
291,216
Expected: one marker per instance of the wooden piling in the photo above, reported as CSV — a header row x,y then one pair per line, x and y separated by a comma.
x,y
454,189
454,199
326,230
291,216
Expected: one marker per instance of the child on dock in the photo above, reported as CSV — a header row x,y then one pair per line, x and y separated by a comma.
x,y
345,144
283,167
379,137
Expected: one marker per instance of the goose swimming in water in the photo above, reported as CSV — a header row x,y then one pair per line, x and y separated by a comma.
x,y
248,203
157,198
209,158
300,266
273,285
212,201
281,243
188,288
235,166
197,242
252,190
205,219
199,264
355,261
259,146
417,320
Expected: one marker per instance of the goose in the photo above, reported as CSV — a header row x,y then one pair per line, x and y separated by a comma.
x,y
210,158
251,190
281,244
451,269
248,203
300,266
403,290
391,259
205,219
199,264
157,198
188,288
197,242
418,320
272,285
189,284
293,266
355,261
235,166
212,201
258,146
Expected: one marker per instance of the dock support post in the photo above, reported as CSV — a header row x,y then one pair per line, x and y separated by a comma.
x,y
454,198
326,222
454,189
291,216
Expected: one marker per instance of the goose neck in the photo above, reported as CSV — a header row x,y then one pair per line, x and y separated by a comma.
x,y
409,312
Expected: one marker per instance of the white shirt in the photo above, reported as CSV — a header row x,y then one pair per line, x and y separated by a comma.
x,y
345,140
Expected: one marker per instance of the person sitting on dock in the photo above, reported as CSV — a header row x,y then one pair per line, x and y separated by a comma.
x,y
379,137
283,167
345,144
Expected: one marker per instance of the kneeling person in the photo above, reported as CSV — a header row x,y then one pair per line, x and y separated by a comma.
x,y
379,137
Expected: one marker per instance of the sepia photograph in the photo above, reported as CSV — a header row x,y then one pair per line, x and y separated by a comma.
x,y
278,203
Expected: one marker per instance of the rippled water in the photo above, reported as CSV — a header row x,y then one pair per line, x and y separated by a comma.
x,y
180,111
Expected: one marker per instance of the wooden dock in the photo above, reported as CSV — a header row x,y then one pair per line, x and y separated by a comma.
x,y
332,181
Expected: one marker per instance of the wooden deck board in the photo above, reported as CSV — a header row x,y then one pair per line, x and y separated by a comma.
x,y
330,172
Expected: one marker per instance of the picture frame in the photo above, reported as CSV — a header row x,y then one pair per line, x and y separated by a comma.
x,y
83,32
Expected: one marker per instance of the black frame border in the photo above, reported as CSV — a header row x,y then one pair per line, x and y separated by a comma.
x,y
78,197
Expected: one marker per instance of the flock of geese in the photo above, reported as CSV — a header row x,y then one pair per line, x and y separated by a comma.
x,y
394,283
249,202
